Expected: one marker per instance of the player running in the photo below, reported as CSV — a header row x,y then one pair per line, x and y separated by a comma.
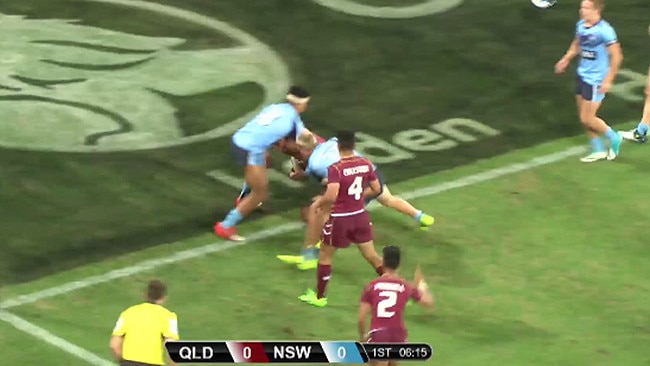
x,y
318,158
349,221
250,145
385,299
600,58
639,134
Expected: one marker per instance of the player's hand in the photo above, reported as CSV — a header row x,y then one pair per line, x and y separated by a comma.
x,y
604,87
418,277
561,66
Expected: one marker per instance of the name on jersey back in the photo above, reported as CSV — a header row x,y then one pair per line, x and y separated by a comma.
x,y
356,170
389,286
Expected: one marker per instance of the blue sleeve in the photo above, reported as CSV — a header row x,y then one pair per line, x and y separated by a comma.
x,y
609,35
299,126
309,170
577,29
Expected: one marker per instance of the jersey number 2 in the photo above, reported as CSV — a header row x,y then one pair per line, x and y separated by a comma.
x,y
356,189
389,299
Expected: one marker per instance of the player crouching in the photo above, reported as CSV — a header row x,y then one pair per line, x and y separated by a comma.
x,y
349,221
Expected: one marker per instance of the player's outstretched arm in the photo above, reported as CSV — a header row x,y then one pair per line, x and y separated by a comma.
x,y
426,298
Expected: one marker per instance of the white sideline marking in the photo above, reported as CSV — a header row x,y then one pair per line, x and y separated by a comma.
x,y
221,246
58,342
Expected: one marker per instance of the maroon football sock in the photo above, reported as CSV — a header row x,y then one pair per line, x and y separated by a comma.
x,y
323,272
380,270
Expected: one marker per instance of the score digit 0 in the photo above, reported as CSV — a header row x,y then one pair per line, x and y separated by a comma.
x,y
341,353
246,352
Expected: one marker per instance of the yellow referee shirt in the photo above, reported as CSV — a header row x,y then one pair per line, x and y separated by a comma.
x,y
144,328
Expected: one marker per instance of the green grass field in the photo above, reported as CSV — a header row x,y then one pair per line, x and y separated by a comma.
x,y
540,267
535,258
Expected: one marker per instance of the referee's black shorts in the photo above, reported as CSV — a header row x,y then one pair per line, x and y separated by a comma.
x,y
133,363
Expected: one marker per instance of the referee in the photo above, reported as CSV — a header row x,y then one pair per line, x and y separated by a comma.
x,y
139,334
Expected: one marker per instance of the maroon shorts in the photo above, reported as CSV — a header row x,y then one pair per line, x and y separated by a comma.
x,y
387,335
340,231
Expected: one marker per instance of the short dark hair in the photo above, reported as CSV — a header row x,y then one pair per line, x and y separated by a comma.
x,y
156,290
346,140
392,257
299,91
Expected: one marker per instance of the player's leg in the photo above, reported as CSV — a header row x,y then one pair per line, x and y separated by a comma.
x,y
592,100
308,257
639,134
588,115
311,243
368,252
584,93
245,189
387,199
256,178
323,274
363,236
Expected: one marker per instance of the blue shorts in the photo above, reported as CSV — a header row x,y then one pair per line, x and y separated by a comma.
x,y
587,91
380,178
244,157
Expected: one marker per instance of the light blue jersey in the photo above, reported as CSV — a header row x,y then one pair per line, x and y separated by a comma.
x,y
324,155
272,124
594,58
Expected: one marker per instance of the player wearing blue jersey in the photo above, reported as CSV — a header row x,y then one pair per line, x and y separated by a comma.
x,y
250,145
600,58
317,158
639,134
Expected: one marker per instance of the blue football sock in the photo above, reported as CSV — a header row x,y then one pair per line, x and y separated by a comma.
x,y
309,253
418,216
245,190
612,135
597,145
642,129
233,218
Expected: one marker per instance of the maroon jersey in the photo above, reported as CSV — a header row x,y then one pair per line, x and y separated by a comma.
x,y
353,174
387,297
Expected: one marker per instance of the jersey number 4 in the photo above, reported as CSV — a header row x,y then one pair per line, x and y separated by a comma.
x,y
389,299
356,189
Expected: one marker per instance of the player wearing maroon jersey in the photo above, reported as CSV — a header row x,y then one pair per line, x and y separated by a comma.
x,y
349,221
385,298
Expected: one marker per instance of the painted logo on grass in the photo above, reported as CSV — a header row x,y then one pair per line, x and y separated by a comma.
x,y
67,86
426,7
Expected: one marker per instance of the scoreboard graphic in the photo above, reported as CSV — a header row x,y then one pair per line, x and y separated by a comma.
x,y
207,352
